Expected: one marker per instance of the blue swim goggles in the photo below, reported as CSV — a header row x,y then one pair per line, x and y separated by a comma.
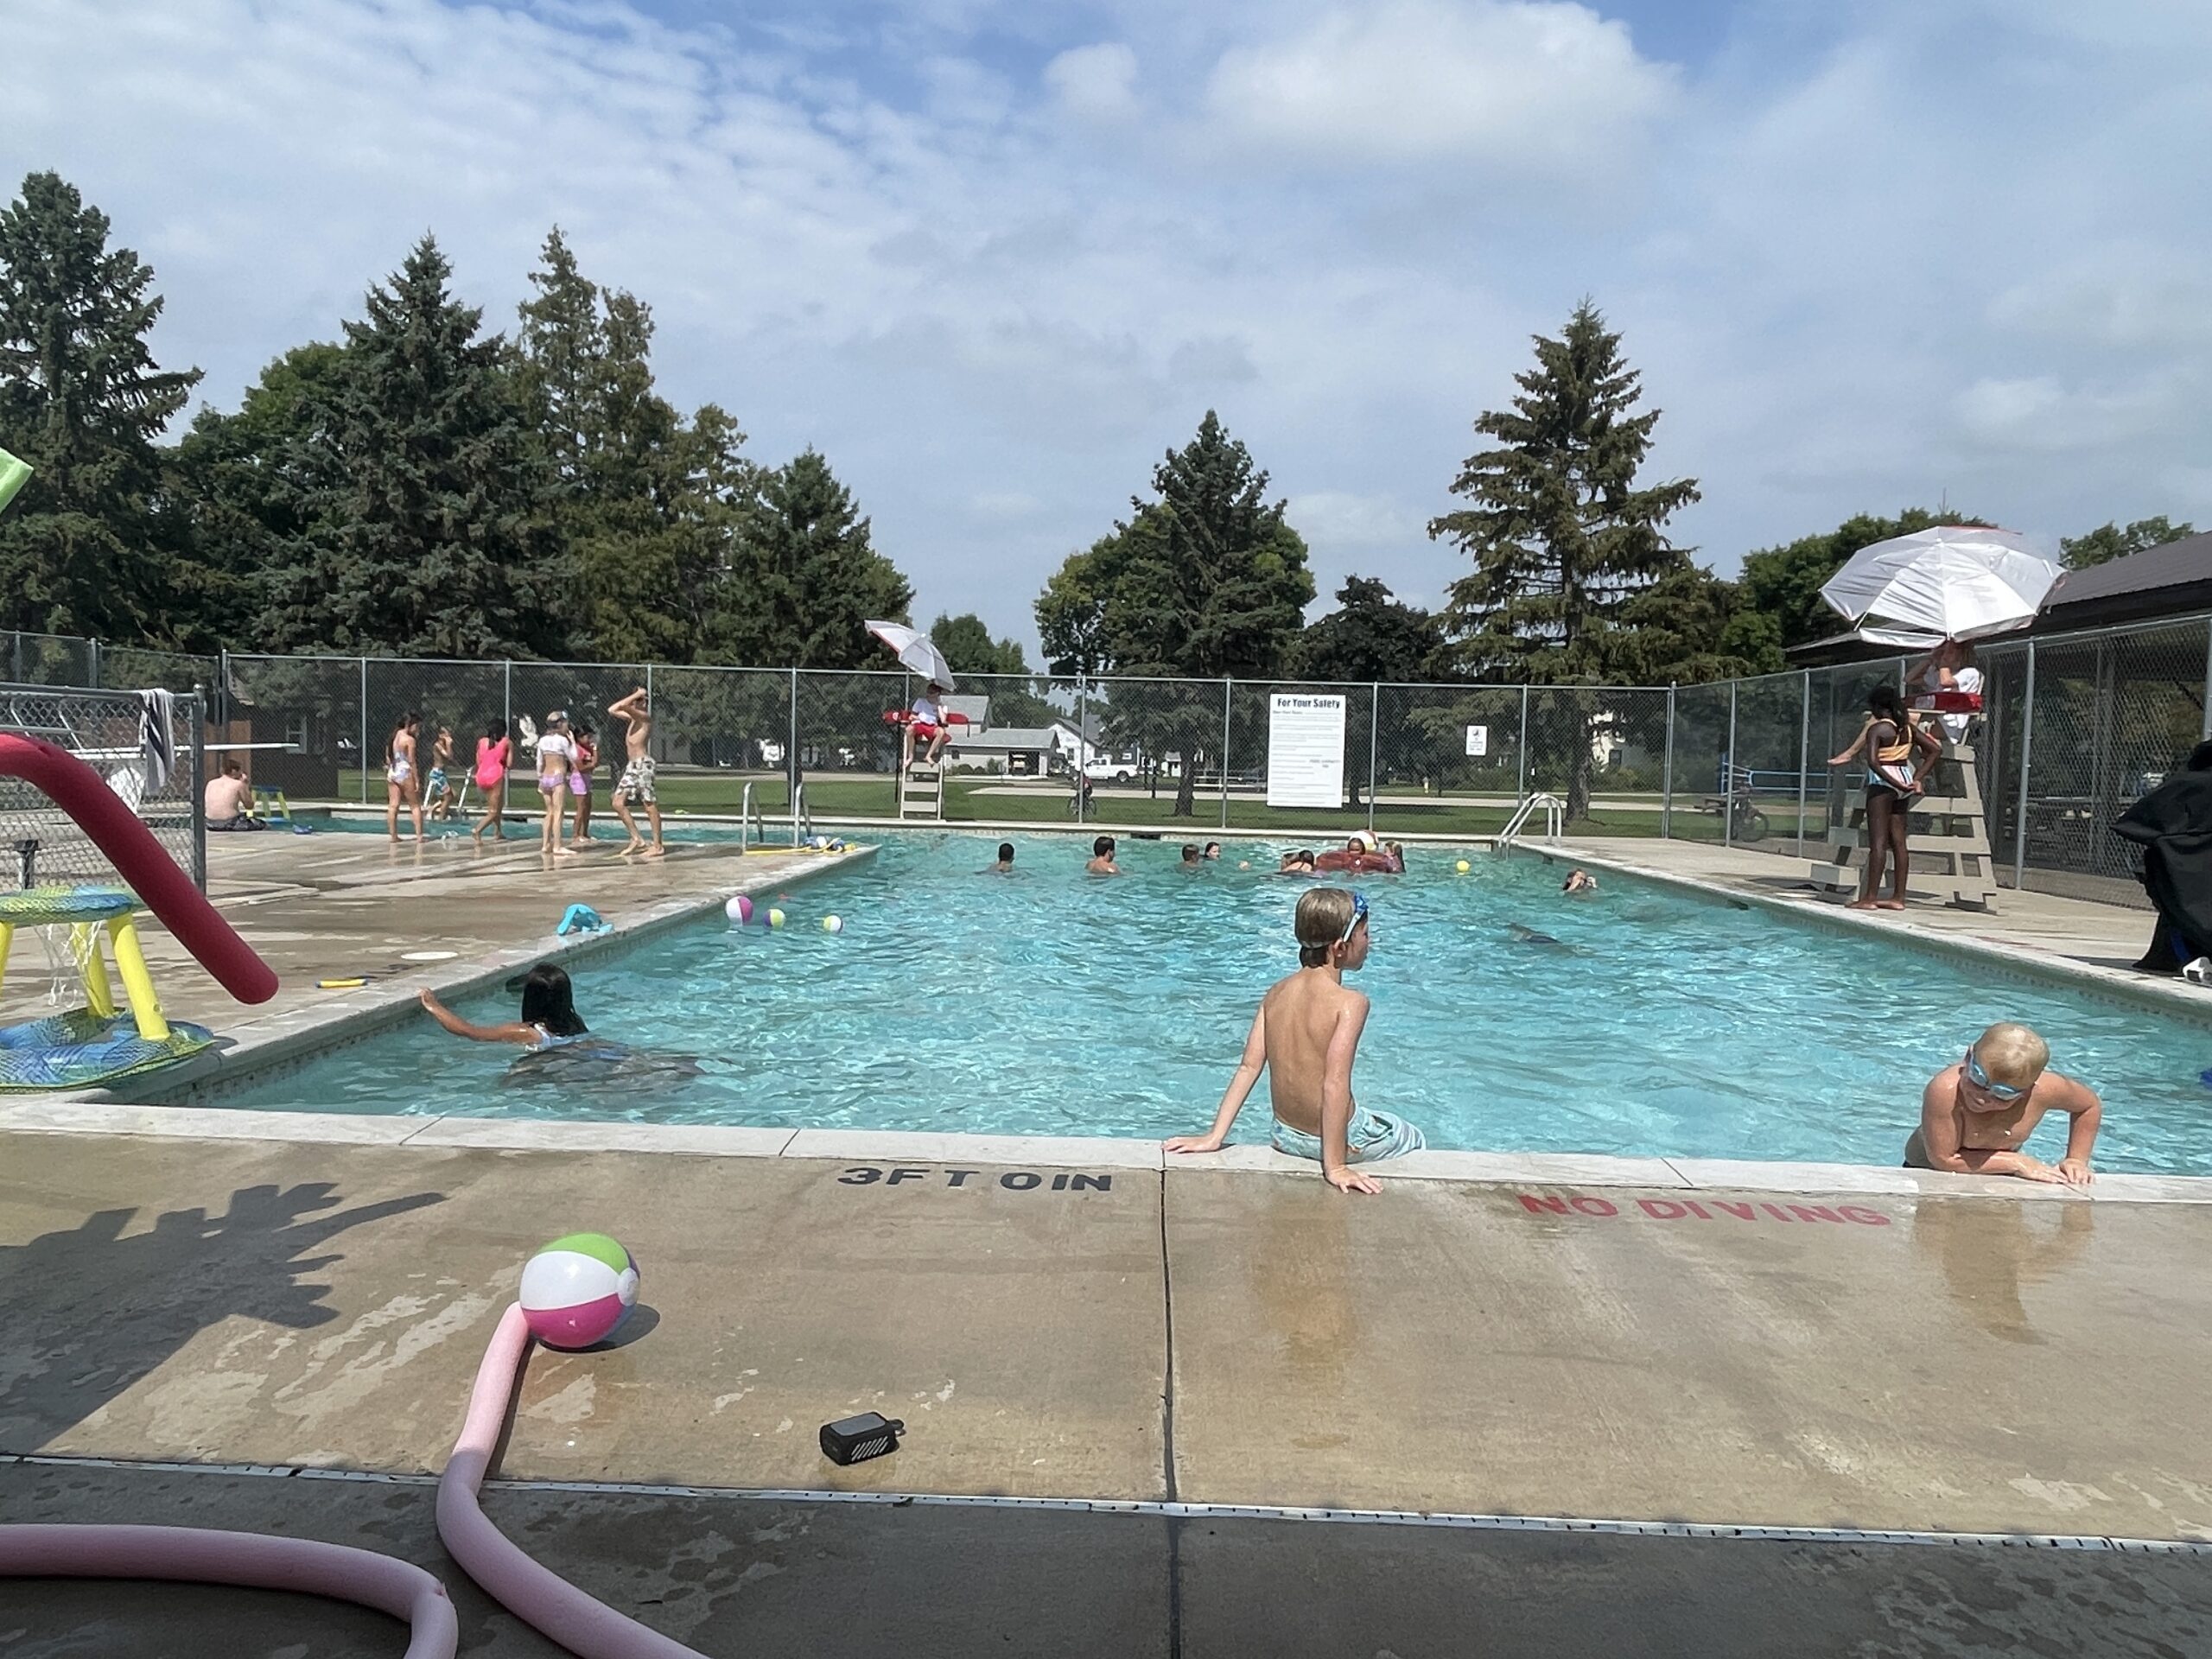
x,y
1980,1078
1358,915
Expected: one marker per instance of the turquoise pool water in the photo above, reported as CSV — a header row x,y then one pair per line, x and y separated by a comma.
x,y
1054,1003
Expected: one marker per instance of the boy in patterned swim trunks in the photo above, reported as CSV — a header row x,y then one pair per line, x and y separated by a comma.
x,y
1307,1033
636,785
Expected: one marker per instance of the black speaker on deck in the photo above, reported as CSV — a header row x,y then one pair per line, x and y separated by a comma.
x,y
855,1440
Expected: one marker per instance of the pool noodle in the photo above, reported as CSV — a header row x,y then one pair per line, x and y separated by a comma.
x,y
198,1555
533,1593
153,875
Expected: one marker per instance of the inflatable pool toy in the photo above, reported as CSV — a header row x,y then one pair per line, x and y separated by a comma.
x,y
1463,867
97,1043
739,910
833,923
775,917
578,1289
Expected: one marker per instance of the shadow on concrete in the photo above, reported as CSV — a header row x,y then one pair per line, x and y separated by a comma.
x,y
91,1311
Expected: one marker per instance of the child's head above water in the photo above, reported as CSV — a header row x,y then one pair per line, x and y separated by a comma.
x,y
1102,847
549,1003
2003,1064
1331,926
1189,852
1006,852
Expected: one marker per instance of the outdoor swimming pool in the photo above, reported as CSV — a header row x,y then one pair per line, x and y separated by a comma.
x,y
1054,1003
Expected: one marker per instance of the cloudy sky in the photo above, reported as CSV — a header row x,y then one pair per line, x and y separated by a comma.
x,y
993,257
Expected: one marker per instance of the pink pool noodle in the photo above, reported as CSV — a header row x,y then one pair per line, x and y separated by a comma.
x,y
555,1606
191,1555
153,875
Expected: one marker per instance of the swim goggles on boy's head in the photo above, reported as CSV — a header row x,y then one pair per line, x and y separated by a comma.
x,y
1980,1078
1358,915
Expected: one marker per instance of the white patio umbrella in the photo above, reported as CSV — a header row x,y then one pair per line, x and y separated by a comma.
x,y
917,651
1955,581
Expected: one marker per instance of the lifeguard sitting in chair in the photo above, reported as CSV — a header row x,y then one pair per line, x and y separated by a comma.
x,y
925,722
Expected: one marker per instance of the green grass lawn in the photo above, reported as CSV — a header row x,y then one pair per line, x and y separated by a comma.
x,y
873,795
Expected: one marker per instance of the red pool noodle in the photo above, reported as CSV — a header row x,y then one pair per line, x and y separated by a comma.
x,y
153,875
190,1554
531,1593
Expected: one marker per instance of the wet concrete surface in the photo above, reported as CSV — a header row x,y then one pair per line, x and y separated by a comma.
x,y
739,1576
1860,1361
1931,1364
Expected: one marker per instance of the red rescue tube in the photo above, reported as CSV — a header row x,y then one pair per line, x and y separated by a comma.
x,y
189,1555
153,875
529,1591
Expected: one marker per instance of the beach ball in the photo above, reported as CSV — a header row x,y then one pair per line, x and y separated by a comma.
x,y
739,910
833,923
577,1289
775,917
1463,867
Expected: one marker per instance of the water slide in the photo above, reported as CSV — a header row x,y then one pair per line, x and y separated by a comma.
x,y
153,875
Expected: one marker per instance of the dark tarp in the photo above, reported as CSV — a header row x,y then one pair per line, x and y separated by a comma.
x,y
2173,826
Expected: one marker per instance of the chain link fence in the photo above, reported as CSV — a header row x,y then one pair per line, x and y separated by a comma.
x,y
108,731
2074,729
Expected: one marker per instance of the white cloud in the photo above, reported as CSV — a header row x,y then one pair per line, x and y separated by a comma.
x,y
1095,82
1517,82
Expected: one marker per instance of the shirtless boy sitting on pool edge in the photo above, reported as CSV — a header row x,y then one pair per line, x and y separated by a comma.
x,y
1308,1031
1976,1115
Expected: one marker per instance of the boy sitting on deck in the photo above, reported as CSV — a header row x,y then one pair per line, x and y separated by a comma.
x,y
1976,1115
1307,1029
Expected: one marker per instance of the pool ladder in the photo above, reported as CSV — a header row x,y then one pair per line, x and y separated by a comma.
x,y
1554,812
752,818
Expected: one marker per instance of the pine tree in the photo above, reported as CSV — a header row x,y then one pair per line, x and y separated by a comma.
x,y
1561,535
805,577
1206,580
436,539
86,547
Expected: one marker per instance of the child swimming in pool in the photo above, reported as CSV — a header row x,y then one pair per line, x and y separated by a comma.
x,y
1976,1115
1308,1032
548,1018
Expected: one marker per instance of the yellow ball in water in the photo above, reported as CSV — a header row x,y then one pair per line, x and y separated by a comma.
x,y
833,923
775,917
1463,867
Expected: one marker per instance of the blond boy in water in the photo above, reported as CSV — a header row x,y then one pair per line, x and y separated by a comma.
x,y
1307,1031
1976,1115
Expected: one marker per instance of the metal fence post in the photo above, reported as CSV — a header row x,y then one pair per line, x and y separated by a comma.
x,y
1728,776
200,788
93,659
17,675
365,731
1804,757
507,692
2027,751
791,769
1374,729
1521,786
1227,686
1082,745
1667,774
2205,730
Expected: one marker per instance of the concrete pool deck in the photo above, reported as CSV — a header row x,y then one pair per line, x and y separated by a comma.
x,y
1851,1365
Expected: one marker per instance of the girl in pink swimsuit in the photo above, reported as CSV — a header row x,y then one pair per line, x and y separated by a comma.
x,y
493,750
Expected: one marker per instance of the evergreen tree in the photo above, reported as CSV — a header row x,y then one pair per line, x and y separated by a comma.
x,y
805,577
2111,541
1784,582
434,536
1562,535
1205,580
625,470
256,484
86,547
1371,636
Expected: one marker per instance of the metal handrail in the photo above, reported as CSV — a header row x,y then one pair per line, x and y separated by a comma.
x,y
748,816
802,820
1554,818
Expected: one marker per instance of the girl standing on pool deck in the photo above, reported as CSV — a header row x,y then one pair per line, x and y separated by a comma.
x,y
587,757
557,752
1308,1032
399,777
493,750
438,793
1892,741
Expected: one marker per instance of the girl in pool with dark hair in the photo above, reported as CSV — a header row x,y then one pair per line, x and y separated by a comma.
x,y
1897,750
548,1018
